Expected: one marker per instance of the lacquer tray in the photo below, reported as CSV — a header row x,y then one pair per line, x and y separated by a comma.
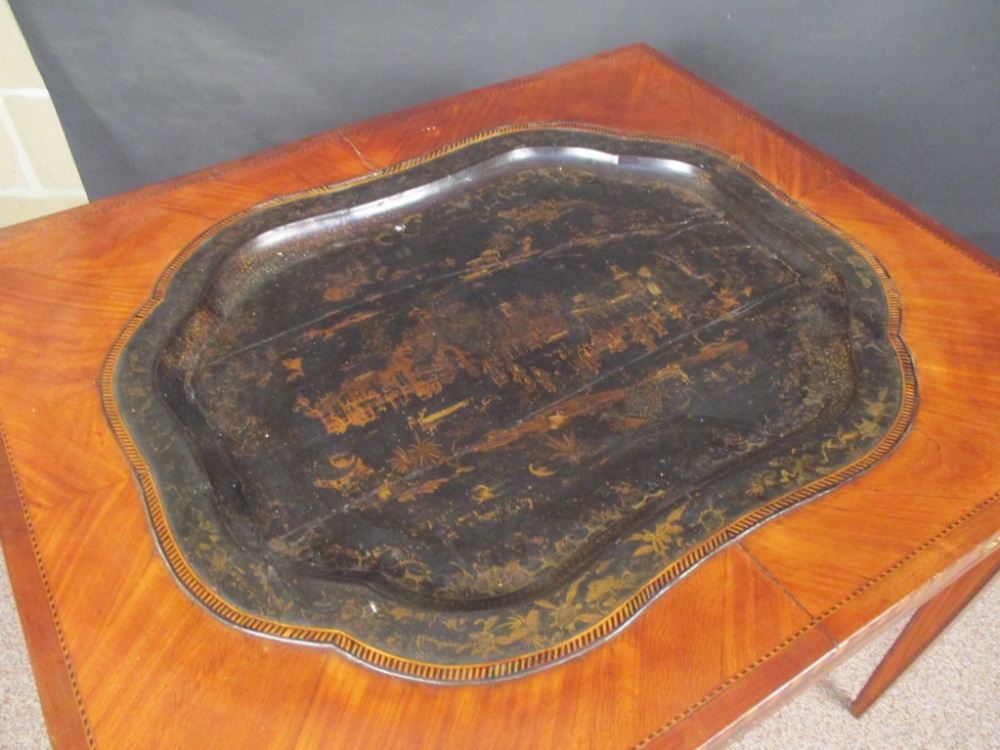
x,y
466,416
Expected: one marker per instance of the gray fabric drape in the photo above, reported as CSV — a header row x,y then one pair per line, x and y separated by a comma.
x,y
907,92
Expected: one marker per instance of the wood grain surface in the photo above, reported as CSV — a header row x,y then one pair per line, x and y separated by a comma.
x,y
124,659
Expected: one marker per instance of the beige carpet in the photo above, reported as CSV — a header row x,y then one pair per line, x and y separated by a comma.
x,y
949,699
21,726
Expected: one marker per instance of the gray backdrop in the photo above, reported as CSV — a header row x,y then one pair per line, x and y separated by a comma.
x,y
907,92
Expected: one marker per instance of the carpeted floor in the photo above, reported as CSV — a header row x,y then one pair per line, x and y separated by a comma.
x,y
948,699
21,725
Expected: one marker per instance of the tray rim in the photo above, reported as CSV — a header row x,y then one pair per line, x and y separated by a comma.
x,y
502,668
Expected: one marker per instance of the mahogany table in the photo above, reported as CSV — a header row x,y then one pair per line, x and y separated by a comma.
x,y
126,651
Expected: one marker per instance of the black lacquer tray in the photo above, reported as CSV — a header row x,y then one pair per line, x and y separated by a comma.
x,y
465,417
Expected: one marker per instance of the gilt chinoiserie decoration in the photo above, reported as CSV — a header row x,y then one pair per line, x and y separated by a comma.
x,y
464,417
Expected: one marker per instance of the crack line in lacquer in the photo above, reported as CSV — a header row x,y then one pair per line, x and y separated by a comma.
x,y
679,229
291,535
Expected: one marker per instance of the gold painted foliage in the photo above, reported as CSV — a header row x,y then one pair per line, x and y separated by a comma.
x,y
566,448
526,628
761,482
607,587
420,454
659,540
567,615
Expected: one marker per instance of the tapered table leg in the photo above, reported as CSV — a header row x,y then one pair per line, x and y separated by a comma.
x,y
928,622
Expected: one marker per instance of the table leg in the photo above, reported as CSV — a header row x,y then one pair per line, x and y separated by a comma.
x,y
928,622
